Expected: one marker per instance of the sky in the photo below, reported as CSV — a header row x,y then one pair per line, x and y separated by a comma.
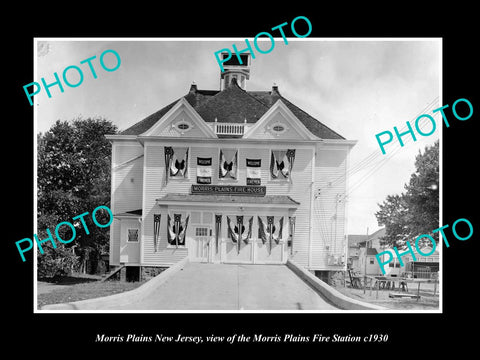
x,y
357,87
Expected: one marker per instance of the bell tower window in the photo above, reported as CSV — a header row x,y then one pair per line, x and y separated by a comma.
x,y
233,69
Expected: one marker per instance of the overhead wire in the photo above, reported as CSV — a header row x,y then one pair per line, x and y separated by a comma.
x,y
320,219
374,161
376,156
379,164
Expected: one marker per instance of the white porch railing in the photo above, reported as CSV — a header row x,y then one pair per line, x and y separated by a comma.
x,y
229,129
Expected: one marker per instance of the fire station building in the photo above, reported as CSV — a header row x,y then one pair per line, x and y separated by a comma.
x,y
228,176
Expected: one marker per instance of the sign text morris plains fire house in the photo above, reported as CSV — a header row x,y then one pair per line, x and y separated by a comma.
x,y
229,190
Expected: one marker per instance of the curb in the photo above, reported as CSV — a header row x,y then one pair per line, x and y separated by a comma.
x,y
334,296
122,298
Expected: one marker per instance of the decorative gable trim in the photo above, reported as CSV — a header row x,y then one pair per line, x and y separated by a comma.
x,y
278,128
166,120
292,122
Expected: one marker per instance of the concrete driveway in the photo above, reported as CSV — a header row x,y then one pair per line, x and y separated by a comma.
x,y
229,287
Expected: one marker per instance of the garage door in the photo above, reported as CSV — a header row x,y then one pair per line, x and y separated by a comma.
x,y
239,244
261,240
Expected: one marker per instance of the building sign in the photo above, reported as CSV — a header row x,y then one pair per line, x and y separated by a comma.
x,y
204,170
254,171
229,190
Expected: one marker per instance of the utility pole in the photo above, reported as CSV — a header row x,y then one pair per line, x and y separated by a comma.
x,y
337,199
365,265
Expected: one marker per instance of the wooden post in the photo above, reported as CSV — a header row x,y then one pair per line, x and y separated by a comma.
x,y
418,291
365,267
123,274
240,230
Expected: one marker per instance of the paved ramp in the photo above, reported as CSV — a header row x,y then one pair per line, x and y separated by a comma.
x,y
230,287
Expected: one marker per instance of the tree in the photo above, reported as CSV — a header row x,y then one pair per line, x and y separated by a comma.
x,y
415,212
422,194
393,215
73,178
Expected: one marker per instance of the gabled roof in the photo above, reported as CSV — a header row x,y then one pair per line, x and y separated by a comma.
x,y
293,123
184,106
359,240
235,105
132,213
354,240
232,105
312,124
148,122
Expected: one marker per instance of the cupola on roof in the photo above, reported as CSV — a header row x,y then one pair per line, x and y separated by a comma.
x,y
234,104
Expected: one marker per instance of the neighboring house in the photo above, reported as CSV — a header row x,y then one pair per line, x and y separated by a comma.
x,y
353,252
367,255
422,266
228,176
363,248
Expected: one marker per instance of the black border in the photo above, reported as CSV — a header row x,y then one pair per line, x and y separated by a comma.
x,y
431,332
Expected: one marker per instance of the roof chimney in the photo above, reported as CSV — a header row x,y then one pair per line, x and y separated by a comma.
x,y
193,87
275,89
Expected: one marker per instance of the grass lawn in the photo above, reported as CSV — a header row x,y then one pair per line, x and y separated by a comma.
x,y
69,290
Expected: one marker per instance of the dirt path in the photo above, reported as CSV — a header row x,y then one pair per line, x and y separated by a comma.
x,y
426,302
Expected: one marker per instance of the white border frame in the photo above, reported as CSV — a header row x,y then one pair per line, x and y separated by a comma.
x,y
307,39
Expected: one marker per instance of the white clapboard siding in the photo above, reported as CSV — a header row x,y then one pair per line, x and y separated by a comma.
x,y
129,250
126,195
155,187
328,213
299,190
115,242
127,177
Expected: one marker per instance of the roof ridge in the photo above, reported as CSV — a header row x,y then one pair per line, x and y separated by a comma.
x,y
207,91
303,111
251,96
238,88
252,107
232,105
149,117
